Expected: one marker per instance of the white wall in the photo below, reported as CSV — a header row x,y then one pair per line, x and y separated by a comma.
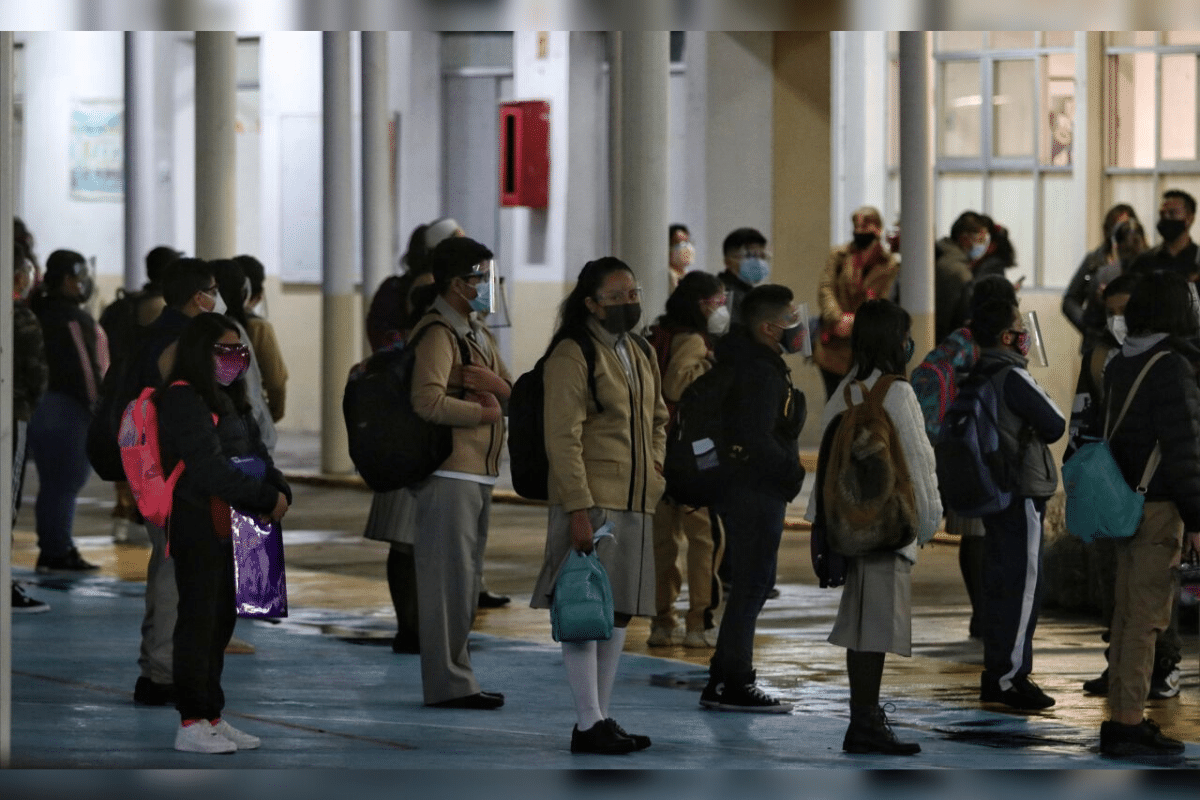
x,y
62,67
859,105
739,159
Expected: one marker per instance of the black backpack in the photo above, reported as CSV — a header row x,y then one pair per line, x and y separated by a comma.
x,y
528,463
119,321
119,388
390,444
700,453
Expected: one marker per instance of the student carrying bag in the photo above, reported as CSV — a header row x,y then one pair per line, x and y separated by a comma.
x,y
1100,504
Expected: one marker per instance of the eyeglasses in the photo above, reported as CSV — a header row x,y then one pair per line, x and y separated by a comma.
x,y
737,255
614,298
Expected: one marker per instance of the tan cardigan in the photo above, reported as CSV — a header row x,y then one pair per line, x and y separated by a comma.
x,y
437,388
689,359
842,290
604,459
270,362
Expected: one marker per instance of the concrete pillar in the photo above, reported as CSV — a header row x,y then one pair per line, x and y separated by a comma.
x,y
916,196
645,72
139,154
216,147
340,324
7,207
376,168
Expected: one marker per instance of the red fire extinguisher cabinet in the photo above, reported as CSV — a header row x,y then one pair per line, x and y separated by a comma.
x,y
525,153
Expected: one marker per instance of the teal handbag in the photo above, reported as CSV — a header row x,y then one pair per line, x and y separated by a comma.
x,y
581,609
1100,504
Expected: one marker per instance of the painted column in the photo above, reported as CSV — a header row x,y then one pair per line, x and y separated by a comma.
x,y
645,72
341,337
916,199
139,154
376,167
7,207
216,147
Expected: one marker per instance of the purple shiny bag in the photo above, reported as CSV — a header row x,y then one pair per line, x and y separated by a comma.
x,y
260,585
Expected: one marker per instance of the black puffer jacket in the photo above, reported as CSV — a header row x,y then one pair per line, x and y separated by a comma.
x,y
186,431
71,347
1166,409
768,414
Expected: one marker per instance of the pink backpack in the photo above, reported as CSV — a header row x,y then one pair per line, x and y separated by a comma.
x,y
142,458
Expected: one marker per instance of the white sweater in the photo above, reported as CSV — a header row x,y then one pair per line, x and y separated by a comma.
x,y
904,411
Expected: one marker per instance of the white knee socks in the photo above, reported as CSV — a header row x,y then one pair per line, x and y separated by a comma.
x,y
580,661
608,656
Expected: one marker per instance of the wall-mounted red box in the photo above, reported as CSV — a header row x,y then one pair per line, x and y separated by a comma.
x,y
525,153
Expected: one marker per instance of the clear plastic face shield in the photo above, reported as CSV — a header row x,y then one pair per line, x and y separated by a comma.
x,y
485,290
1037,346
796,337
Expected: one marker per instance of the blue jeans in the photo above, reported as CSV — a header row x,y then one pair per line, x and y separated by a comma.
x,y
754,525
58,439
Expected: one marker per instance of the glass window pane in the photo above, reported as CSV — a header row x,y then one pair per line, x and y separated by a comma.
x,y
959,125
1059,213
1059,38
477,49
1011,40
1181,37
247,63
1178,137
1131,38
1130,112
1139,192
1012,206
956,194
893,111
1012,101
958,41
1057,124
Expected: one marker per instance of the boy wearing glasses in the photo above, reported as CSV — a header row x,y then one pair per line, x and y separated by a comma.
x,y
1028,420
747,264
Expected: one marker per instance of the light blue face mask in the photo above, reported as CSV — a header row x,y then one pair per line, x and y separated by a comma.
x,y
979,248
754,270
483,297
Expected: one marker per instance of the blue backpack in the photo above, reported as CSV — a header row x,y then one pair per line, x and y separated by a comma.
x,y
975,476
1100,503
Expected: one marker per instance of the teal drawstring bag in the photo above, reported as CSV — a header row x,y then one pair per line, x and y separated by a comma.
x,y
1100,504
581,609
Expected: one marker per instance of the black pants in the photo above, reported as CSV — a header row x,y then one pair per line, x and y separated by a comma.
x,y
1012,586
207,615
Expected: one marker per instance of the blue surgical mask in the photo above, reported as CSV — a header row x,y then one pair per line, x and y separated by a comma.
x,y
483,298
754,270
979,248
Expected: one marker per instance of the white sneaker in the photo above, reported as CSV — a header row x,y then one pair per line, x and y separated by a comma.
x,y
200,737
700,640
243,740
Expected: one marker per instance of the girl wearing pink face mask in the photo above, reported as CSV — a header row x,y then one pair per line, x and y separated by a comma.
x,y
204,421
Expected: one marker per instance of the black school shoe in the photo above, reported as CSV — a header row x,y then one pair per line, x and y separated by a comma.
x,y
1143,739
489,600
640,742
871,732
148,693
484,701
603,738
68,563
1024,695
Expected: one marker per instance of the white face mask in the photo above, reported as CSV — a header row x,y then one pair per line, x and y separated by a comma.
x,y
718,321
219,306
1116,326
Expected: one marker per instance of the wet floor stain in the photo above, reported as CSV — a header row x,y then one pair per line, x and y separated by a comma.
x,y
1005,739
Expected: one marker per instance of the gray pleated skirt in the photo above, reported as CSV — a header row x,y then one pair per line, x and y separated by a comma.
x,y
393,517
628,558
875,614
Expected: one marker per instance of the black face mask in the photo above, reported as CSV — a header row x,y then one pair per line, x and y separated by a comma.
x,y
1171,229
621,319
864,240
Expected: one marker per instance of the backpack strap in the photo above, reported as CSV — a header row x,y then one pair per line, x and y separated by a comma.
x,y
588,347
464,352
1108,432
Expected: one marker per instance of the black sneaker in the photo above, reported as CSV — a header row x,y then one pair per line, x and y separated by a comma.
x,y
601,739
748,698
640,742
148,693
1024,694
24,604
1143,739
70,562
1097,686
1164,685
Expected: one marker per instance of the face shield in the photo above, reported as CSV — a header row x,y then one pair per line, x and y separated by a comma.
x,y
1037,347
485,291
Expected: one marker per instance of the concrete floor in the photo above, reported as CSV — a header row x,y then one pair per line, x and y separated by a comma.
x,y
324,689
